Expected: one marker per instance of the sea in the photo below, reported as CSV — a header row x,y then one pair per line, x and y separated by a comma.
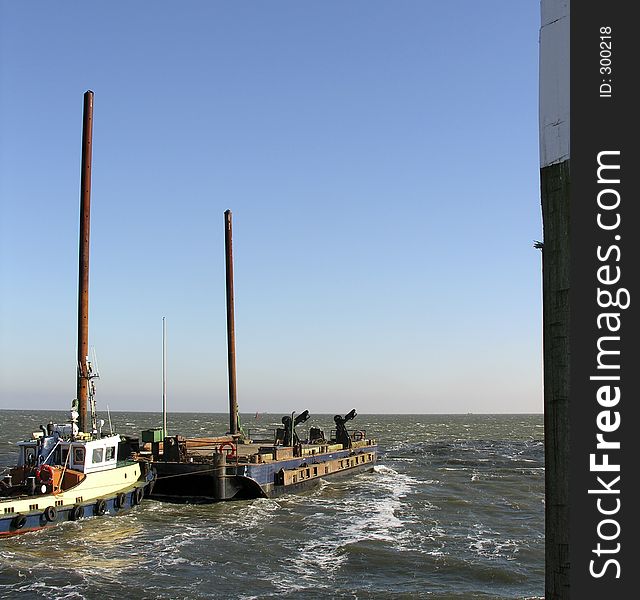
x,y
453,510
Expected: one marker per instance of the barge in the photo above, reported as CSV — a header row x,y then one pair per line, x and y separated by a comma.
x,y
257,463
262,464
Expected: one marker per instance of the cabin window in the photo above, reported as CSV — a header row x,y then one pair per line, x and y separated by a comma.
x,y
111,453
64,456
78,456
30,456
98,453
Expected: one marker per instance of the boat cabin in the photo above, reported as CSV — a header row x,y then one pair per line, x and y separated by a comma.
x,y
85,456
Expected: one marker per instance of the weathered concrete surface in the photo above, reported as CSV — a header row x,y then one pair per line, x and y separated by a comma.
x,y
555,184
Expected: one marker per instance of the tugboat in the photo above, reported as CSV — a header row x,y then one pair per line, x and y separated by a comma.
x,y
65,472
253,464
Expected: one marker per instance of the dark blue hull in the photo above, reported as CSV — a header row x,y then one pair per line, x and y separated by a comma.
x,y
200,481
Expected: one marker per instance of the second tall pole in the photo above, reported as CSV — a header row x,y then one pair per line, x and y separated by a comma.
x,y
231,336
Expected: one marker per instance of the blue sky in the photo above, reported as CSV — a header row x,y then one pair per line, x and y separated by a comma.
x,y
381,163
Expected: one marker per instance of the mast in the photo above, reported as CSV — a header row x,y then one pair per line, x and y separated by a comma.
x,y
164,379
231,336
83,267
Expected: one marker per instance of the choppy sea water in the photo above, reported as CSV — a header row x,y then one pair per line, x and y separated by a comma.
x,y
453,510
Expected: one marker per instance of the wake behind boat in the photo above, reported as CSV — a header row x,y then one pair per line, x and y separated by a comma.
x,y
65,472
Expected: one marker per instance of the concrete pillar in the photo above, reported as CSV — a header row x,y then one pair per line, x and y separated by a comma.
x,y
555,185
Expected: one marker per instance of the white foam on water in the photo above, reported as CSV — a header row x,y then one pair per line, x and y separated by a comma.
x,y
321,554
82,563
257,513
323,483
44,590
429,506
487,543
430,541
156,506
383,469
368,519
185,536
296,582
489,547
392,478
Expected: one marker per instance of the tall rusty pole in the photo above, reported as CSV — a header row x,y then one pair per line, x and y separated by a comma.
x,y
83,267
231,336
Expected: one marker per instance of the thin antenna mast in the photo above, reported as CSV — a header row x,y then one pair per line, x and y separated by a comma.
x,y
164,378
109,415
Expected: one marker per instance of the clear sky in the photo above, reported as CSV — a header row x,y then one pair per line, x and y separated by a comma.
x,y
381,163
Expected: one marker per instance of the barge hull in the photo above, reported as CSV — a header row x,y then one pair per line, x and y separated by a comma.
x,y
207,482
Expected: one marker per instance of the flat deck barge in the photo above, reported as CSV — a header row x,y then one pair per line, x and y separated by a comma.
x,y
253,464
227,468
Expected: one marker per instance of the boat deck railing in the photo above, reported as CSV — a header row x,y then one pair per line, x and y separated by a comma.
x,y
261,435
